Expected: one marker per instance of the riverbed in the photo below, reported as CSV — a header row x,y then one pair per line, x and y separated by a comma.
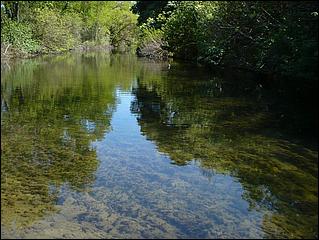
x,y
95,145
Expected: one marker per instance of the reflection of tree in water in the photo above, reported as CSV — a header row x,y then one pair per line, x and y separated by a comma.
x,y
191,119
50,114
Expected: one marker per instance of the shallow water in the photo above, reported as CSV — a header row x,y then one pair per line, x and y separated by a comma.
x,y
110,146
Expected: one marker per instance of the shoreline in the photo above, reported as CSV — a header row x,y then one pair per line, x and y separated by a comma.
x,y
14,54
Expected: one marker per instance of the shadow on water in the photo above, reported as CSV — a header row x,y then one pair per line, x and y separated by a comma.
x,y
226,126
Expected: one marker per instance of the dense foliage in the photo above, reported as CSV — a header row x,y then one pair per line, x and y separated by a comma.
x,y
265,36
274,37
53,26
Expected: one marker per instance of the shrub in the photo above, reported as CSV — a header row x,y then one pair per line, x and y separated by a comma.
x,y
56,32
151,41
19,35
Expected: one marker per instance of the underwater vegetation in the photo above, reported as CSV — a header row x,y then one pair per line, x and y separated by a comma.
x,y
48,120
97,145
210,122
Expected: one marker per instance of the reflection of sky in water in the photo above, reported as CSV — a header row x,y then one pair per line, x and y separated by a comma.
x,y
138,193
89,125
132,165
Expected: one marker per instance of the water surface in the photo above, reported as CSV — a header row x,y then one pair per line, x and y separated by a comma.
x,y
110,146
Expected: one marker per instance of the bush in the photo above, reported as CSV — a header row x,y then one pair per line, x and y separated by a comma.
x,y
151,41
56,32
181,29
19,35
273,37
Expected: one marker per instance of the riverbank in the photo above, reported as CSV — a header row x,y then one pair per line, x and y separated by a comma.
x,y
30,29
9,52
